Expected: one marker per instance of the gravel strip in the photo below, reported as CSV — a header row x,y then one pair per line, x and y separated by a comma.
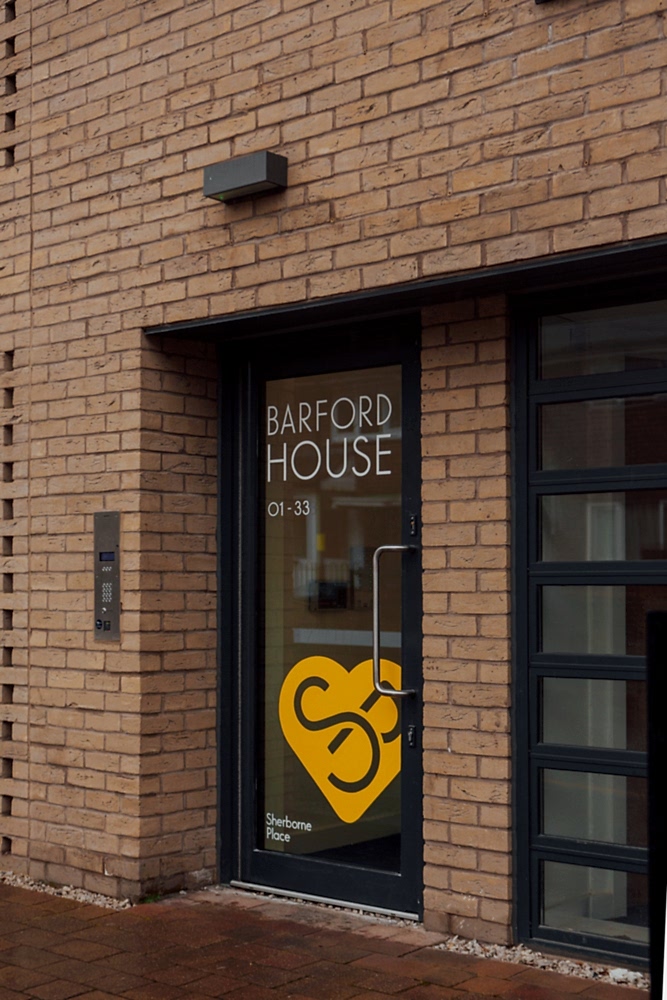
x,y
566,966
67,891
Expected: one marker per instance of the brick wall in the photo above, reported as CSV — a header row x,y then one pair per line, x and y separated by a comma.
x,y
424,138
465,513
175,603
106,750
108,777
14,438
13,603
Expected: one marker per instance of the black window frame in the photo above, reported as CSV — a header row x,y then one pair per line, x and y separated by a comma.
x,y
531,847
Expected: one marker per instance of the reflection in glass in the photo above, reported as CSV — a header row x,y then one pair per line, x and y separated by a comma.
x,y
586,900
590,342
603,433
597,620
329,761
586,712
586,805
585,527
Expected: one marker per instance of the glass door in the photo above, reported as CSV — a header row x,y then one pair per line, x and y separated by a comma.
x,y
332,788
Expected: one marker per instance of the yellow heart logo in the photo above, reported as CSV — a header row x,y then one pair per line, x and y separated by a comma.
x,y
346,734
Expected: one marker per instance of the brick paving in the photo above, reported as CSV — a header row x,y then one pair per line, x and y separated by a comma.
x,y
235,945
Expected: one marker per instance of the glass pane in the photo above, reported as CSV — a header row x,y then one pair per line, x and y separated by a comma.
x,y
585,527
597,620
330,758
601,433
584,712
619,339
585,900
585,805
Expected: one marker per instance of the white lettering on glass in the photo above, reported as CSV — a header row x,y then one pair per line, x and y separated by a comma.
x,y
305,410
334,411
318,455
381,451
339,454
272,421
361,454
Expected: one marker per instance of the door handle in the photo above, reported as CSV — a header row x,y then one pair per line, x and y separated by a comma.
x,y
377,683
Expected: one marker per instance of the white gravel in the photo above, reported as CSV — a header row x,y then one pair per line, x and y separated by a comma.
x,y
521,955
67,891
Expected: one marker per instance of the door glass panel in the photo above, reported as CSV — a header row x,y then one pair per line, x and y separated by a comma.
x,y
587,805
586,712
597,620
618,339
585,527
330,747
603,433
586,900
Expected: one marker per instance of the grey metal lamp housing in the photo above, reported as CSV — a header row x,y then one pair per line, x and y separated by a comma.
x,y
245,175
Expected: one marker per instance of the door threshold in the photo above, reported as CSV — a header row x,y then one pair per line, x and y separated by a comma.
x,y
325,901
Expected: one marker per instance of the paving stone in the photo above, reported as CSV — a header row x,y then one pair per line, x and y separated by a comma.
x,y
381,982
98,995
217,986
175,975
6,994
324,989
13,977
555,980
154,991
86,951
529,991
499,970
487,986
254,973
59,989
608,991
429,991
262,993
417,966
33,937
280,958
422,938
212,946
27,957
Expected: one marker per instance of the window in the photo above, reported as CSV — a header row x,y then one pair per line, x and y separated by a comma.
x,y
591,561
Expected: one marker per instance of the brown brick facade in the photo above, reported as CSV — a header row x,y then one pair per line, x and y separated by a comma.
x,y
465,512
424,139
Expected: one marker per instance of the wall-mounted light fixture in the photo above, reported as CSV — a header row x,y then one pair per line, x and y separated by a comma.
x,y
245,175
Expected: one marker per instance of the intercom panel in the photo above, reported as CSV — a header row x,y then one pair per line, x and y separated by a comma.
x,y
107,575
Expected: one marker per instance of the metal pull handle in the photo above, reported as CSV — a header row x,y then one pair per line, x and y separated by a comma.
x,y
377,683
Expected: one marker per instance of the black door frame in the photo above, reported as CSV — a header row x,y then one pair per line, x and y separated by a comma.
x,y
330,349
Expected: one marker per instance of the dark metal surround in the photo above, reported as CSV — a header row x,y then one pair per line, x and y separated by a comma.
x,y
529,664
242,377
656,654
